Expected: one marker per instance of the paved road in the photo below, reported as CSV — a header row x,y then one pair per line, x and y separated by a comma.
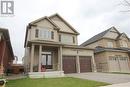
x,y
103,77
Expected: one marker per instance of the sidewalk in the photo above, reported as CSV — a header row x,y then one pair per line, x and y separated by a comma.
x,y
15,76
119,85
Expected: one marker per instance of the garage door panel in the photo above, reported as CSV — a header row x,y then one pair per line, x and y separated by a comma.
x,y
118,64
85,64
69,64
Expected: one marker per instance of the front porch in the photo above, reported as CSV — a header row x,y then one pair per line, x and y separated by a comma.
x,y
45,61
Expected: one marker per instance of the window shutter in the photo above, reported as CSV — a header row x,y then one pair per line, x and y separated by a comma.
x,y
60,38
52,35
36,33
73,39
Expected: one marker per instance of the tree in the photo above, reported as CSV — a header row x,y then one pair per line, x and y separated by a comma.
x,y
126,3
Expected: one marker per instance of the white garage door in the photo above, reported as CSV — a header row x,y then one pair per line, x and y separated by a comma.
x,y
124,64
113,64
118,64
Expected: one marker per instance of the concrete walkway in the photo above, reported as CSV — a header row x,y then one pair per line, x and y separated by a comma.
x,y
15,76
103,77
119,85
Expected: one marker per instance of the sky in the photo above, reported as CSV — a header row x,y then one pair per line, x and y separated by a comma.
x,y
88,17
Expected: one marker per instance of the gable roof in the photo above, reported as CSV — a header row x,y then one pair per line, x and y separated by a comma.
x,y
42,18
7,38
122,35
64,22
97,37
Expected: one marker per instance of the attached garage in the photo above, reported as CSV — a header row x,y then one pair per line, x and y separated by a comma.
x,y
69,64
85,64
118,64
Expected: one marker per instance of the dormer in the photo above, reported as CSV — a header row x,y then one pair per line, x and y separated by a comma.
x,y
113,33
123,40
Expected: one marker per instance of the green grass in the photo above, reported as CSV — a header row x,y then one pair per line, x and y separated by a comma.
x,y
54,82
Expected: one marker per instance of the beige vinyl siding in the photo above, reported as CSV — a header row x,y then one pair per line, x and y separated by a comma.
x,y
62,25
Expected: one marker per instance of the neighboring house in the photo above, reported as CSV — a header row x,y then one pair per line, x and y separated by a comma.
x,y
112,50
6,52
51,47
17,68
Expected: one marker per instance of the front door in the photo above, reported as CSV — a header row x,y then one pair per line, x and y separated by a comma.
x,y
47,60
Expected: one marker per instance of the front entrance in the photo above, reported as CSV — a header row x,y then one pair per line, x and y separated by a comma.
x,y
46,60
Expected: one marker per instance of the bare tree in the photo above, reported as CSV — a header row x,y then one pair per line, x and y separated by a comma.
x,y
126,3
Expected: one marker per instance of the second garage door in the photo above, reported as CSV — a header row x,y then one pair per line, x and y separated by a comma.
x,y
85,64
69,64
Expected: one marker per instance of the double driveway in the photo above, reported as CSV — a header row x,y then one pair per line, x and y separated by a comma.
x,y
103,77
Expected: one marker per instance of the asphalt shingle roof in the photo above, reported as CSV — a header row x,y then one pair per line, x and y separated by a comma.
x,y
95,38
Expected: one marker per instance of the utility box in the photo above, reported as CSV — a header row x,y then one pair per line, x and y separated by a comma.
x,y
2,82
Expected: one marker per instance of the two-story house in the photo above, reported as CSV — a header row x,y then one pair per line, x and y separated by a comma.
x,y
51,49
6,51
112,50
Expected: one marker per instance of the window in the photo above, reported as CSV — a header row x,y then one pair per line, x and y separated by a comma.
x,y
66,39
124,44
45,34
110,44
73,39
52,35
36,33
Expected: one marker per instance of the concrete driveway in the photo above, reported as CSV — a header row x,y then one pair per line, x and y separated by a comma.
x,y
103,77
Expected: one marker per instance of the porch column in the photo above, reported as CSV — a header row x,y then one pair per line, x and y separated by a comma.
x,y
94,65
77,64
61,64
60,58
32,58
39,66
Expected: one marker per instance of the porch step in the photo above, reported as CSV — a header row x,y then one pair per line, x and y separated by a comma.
x,y
50,74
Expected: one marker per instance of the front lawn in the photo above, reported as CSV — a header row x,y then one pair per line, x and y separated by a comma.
x,y
54,82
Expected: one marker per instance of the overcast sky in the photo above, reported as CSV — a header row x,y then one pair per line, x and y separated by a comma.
x,y
88,17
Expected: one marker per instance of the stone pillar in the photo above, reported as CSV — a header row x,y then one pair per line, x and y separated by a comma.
x,y
77,64
39,63
94,65
32,58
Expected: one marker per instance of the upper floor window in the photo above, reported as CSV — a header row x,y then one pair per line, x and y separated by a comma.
x,y
44,34
124,44
110,44
36,33
67,39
